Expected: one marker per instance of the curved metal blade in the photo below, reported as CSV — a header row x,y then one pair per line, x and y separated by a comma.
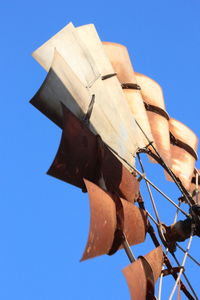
x,y
77,154
136,279
143,273
117,178
69,45
135,223
155,259
77,67
152,94
102,223
120,60
81,154
182,162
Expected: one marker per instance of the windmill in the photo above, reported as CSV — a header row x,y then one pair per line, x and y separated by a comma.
x,y
110,116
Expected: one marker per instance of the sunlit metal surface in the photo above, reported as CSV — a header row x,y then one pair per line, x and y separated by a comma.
x,y
152,94
119,57
182,162
77,71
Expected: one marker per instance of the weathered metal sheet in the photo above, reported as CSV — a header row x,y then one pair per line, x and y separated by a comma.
x,y
73,51
152,95
116,177
63,85
112,86
155,259
108,216
119,57
82,154
142,274
102,222
108,97
55,90
77,154
182,162
135,223
136,279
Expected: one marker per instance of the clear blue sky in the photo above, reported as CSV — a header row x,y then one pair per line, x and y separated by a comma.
x,y
43,221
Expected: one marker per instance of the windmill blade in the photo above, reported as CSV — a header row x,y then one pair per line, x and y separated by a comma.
x,y
117,178
142,275
89,37
103,222
73,51
57,89
108,217
63,86
119,57
158,118
183,151
109,99
82,154
76,157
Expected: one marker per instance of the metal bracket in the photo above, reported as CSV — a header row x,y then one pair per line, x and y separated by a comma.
x,y
141,177
89,111
171,271
104,77
132,86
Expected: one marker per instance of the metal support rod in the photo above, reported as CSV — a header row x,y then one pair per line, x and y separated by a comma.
x,y
163,162
163,194
167,251
190,256
197,187
150,192
183,263
168,263
184,275
151,183
151,217
128,250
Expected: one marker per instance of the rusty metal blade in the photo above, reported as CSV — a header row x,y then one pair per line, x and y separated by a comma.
x,y
152,94
81,154
182,162
77,154
136,279
102,223
135,223
116,177
109,215
155,259
142,274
